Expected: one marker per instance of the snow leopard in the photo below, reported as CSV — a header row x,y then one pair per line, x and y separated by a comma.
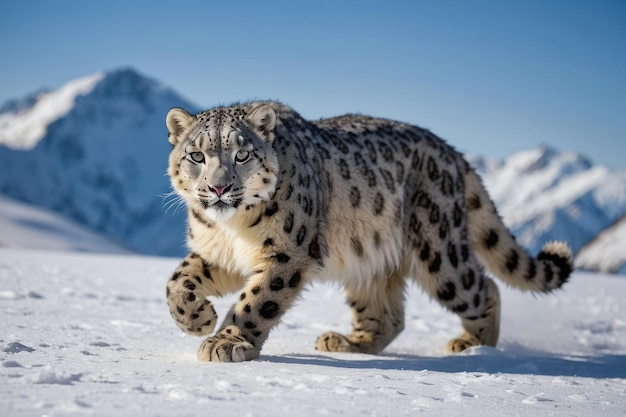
x,y
275,201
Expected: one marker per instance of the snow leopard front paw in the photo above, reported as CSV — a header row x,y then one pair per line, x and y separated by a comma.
x,y
193,313
229,345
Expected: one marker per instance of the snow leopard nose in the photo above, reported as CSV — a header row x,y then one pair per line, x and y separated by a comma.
x,y
220,189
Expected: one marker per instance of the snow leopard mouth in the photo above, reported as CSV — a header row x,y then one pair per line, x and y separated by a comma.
x,y
221,206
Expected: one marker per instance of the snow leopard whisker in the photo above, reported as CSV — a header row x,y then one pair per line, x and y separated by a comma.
x,y
172,199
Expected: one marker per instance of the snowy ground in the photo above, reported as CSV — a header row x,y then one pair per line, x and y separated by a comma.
x,y
91,335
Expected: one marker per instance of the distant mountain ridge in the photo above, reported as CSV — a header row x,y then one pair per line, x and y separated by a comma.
x,y
96,151
544,194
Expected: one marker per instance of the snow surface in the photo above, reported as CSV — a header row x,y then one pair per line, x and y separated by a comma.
x,y
86,334
607,252
25,226
24,128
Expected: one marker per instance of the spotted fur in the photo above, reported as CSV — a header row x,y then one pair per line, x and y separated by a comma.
x,y
275,201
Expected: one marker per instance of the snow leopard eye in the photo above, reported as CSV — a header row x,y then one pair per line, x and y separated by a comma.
x,y
242,156
197,157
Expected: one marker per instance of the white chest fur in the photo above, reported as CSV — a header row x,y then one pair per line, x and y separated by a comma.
x,y
230,245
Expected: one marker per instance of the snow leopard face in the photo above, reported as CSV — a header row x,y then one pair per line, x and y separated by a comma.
x,y
223,159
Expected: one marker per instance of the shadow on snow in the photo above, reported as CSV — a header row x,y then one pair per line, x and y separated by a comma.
x,y
487,360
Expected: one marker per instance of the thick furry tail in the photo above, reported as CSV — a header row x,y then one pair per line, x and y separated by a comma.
x,y
502,255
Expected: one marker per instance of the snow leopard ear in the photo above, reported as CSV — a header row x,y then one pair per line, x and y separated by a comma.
x,y
178,121
263,120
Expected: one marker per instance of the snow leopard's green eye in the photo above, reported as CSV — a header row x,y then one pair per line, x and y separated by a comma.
x,y
197,157
242,156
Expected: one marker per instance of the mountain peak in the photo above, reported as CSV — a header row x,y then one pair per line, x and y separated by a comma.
x,y
532,159
126,82
544,194
25,123
129,72
123,91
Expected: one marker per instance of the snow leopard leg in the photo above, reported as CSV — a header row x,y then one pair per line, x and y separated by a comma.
x,y
482,329
268,293
193,281
463,288
377,318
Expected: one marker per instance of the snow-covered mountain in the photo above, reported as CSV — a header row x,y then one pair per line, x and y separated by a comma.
x,y
23,123
543,194
96,151
607,251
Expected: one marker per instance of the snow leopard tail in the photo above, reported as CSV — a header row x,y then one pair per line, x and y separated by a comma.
x,y
501,255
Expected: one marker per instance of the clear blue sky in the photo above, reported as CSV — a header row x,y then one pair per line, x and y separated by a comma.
x,y
491,77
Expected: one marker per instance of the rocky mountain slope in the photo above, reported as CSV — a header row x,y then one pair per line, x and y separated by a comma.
x,y
96,151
